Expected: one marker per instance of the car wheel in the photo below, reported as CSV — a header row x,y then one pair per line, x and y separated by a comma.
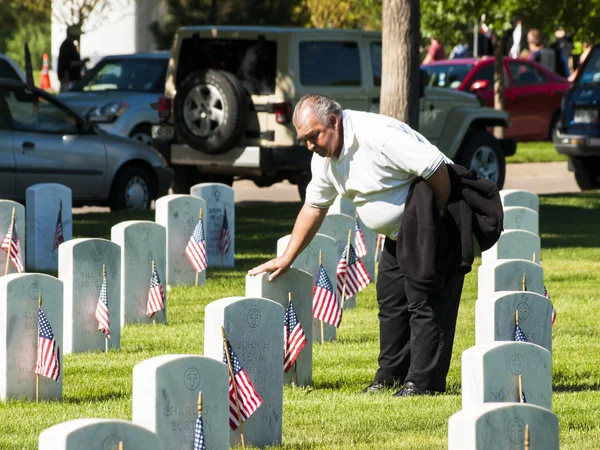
x,y
482,153
143,134
587,172
131,189
210,111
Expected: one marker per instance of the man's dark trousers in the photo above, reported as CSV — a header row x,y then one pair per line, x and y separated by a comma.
x,y
416,329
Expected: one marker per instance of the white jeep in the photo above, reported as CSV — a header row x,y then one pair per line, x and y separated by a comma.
x,y
230,93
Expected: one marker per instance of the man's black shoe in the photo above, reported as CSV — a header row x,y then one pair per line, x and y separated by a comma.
x,y
410,390
377,386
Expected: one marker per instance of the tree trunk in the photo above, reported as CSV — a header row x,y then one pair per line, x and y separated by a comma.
x,y
400,65
498,82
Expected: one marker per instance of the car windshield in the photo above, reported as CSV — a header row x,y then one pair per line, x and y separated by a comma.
x,y
132,75
447,75
591,72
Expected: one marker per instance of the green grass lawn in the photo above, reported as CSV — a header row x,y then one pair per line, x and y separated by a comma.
x,y
332,414
535,152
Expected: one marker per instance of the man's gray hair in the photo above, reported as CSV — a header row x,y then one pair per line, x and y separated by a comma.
x,y
319,106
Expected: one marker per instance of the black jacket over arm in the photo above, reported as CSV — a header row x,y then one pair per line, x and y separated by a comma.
x,y
430,246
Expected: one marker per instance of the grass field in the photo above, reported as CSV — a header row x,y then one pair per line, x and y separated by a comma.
x,y
535,152
332,414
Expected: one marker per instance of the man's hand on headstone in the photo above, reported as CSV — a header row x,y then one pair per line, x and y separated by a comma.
x,y
277,266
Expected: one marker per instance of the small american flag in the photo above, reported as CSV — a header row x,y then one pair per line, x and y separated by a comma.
x,y
196,248
48,355
325,303
355,274
58,233
294,338
359,241
519,335
553,310
102,310
199,434
11,240
225,237
249,400
156,295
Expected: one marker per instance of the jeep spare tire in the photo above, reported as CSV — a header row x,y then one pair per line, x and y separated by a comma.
x,y
210,111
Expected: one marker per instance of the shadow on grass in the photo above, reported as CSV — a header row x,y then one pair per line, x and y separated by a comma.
x,y
576,387
570,222
107,396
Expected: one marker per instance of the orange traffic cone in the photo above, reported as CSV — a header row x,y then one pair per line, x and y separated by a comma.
x,y
44,77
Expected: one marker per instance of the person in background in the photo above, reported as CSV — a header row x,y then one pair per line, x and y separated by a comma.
x,y
515,40
562,47
436,51
69,61
587,47
538,53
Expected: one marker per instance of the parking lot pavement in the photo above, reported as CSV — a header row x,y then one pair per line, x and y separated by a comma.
x,y
541,178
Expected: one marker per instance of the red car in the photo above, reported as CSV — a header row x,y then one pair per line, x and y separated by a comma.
x,y
533,94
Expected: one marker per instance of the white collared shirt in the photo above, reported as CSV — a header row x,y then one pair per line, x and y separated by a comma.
x,y
380,159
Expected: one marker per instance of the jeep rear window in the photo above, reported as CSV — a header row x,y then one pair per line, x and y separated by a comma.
x,y
333,63
252,61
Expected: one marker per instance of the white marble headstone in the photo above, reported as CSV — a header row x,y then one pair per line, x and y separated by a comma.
x,y
490,373
165,399
519,197
337,227
300,284
141,243
495,317
98,434
507,275
521,218
254,328
43,204
19,294
80,269
308,261
219,197
6,207
179,214
501,426
514,244
342,205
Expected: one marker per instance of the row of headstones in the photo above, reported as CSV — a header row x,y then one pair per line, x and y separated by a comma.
x,y
175,379
166,387
492,415
178,213
70,301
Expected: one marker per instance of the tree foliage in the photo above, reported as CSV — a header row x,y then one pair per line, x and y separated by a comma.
x,y
226,12
343,13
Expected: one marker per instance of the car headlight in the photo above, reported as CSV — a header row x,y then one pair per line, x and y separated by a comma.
x,y
107,113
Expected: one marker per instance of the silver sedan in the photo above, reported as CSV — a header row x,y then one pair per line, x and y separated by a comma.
x,y
43,141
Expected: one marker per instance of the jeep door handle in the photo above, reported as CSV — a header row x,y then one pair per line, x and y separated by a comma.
x,y
27,145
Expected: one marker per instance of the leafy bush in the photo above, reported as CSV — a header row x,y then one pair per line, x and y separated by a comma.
x,y
39,38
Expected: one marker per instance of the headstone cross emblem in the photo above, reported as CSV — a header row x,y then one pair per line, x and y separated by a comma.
x,y
254,318
191,378
216,193
516,430
34,291
111,443
97,254
518,220
516,364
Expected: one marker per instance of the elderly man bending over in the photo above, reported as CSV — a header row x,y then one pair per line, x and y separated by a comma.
x,y
373,160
